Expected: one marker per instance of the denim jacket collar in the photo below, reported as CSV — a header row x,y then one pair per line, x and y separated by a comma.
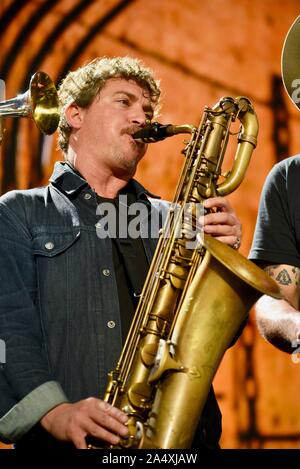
x,y
70,182
66,179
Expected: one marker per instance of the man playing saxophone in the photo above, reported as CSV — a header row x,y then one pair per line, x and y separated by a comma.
x,y
67,295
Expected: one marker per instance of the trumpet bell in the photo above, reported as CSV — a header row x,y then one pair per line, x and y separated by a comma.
x,y
40,102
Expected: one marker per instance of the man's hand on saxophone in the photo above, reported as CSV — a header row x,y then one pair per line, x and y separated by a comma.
x,y
223,224
94,417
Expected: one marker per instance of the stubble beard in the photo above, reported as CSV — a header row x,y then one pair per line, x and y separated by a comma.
x,y
128,164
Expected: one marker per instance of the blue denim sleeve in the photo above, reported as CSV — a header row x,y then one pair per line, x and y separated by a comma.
x,y
24,415
25,367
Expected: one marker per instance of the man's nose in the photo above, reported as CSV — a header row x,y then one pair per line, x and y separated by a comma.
x,y
139,117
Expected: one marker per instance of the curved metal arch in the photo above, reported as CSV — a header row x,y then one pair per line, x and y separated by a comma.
x,y
91,34
52,37
10,14
20,41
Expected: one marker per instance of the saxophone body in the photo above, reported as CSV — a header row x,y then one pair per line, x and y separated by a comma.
x,y
194,298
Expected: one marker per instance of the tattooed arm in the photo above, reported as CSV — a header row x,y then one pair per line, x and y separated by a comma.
x,y
279,320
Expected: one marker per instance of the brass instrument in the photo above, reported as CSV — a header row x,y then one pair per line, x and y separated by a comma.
x,y
39,102
290,63
194,299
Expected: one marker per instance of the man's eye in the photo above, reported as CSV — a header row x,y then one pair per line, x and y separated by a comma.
x,y
124,101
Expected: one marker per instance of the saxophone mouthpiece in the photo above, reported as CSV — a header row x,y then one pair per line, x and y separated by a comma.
x,y
153,133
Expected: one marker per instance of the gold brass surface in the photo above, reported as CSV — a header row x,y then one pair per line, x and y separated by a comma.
x,y
197,293
221,293
39,102
290,63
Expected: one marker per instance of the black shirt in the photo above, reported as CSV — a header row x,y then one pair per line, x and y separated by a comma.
x,y
129,258
277,232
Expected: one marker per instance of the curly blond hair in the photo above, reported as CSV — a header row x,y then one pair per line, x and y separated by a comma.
x,y
82,85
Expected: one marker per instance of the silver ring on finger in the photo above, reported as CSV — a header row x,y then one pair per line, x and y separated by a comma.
x,y
237,244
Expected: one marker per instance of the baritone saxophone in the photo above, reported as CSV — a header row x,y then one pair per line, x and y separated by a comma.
x,y
194,299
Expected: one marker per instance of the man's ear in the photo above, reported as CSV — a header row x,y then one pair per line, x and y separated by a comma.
x,y
74,115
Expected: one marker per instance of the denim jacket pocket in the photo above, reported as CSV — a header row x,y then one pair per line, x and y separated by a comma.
x,y
56,264
50,244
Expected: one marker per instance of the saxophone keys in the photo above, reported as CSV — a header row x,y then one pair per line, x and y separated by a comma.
x,y
164,362
139,396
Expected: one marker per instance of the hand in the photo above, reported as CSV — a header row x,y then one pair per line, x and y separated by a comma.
x,y
73,422
223,224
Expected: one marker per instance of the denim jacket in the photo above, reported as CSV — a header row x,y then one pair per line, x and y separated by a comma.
x,y
58,299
